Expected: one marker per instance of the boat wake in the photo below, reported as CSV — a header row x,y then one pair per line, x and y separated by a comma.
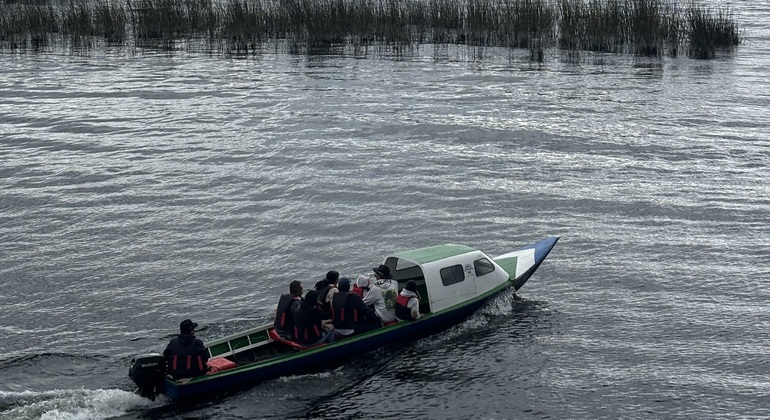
x,y
70,404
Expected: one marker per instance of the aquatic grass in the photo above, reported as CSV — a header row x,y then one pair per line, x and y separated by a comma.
x,y
709,31
243,25
110,21
645,27
77,20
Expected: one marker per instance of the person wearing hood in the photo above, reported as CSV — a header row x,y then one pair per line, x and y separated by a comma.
x,y
408,303
186,356
309,327
361,288
382,294
326,289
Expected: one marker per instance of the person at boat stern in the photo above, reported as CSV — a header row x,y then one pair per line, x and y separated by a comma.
x,y
349,313
186,356
309,326
284,313
408,303
382,294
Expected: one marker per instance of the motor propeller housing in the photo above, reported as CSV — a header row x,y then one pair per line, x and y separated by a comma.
x,y
147,371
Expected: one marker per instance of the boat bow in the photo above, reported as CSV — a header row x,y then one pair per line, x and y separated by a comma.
x,y
522,263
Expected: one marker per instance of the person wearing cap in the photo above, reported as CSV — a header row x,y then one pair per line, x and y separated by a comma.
x,y
186,355
361,288
284,313
408,303
326,289
382,294
349,314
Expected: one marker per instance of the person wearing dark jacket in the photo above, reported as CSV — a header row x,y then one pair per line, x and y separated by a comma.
x,y
309,326
185,355
349,313
326,289
284,313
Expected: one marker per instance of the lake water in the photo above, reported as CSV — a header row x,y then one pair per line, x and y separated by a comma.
x,y
139,188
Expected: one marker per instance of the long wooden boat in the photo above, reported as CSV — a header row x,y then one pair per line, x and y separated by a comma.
x,y
453,280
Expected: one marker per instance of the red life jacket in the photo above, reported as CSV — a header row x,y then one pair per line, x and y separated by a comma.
x,y
402,310
358,290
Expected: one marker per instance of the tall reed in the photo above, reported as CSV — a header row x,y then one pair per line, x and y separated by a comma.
x,y
646,27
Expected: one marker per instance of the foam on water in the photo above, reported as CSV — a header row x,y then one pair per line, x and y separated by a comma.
x,y
71,404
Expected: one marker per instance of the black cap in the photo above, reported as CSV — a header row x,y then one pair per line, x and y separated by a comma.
x,y
332,276
187,325
411,286
382,270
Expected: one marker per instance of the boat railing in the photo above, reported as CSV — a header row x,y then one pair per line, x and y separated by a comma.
x,y
241,342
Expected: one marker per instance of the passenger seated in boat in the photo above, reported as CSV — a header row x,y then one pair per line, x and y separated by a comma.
x,y
382,294
284,313
326,289
350,315
408,303
309,326
361,288
186,356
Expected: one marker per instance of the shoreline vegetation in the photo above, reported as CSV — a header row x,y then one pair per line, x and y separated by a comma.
x,y
641,27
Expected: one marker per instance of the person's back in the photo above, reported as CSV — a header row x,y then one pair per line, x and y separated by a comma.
x,y
326,290
383,294
350,314
408,303
309,328
186,356
284,313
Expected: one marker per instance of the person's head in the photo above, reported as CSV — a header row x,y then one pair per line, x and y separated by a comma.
x,y
344,284
411,286
332,277
295,288
362,281
187,326
311,300
382,272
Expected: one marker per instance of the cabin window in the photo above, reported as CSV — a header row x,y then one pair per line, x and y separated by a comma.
x,y
452,275
483,266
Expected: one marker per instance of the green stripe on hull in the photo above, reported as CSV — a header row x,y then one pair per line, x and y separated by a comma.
x,y
434,253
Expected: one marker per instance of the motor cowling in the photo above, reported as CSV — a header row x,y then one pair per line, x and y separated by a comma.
x,y
147,371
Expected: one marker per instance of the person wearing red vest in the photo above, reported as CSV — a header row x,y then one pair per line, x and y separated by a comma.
x,y
408,303
284,313
361,288
186,356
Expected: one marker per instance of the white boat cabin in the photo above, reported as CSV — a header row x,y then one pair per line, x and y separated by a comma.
x,y
447,275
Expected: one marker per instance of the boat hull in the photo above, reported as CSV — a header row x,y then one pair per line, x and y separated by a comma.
x,y
336,353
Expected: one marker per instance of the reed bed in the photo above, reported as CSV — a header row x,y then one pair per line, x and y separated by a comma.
x,y
645,27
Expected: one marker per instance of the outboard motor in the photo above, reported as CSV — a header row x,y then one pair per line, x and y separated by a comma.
x,y
147,371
